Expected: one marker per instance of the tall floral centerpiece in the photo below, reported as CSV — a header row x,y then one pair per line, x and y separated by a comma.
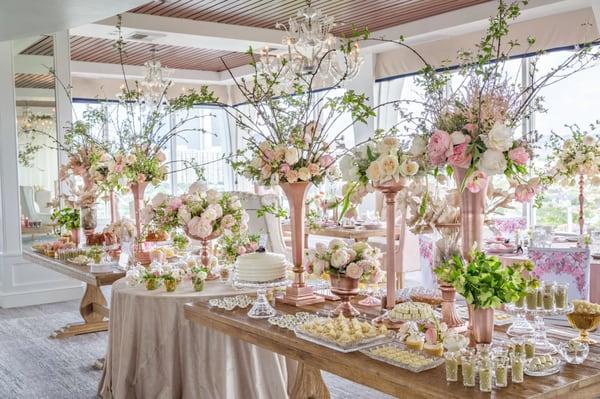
x,y
346,265
292,136
385,166
577,156
204,214
485,284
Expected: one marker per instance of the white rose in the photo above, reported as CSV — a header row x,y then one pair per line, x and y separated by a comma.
x,y
197,187
362,150
304,174
257,162
234,203
418,146
217,208
292,155
458,138
213,196
492,162
409,168
339,258
336,244
388,144
389,165
209,215
184,214
130,159
374,171
159,199
499,137
346,162
350,174
321,248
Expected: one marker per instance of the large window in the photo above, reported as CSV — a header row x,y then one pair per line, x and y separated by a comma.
x,y
192,145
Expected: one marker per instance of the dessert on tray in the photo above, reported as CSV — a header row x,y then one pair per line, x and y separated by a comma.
x,y
261,267
342,331
411,311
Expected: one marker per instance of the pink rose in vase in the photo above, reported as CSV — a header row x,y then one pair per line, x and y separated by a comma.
x,y
354,271
518,155
438,146
476,181
460,158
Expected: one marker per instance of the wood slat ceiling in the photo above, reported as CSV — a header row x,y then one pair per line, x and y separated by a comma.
x,y
374,14
103,50
34,81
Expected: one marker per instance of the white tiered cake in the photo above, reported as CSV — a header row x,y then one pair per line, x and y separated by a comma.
x,y
260,267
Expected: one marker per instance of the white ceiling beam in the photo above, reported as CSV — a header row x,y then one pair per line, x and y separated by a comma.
x,y
184,32
464,21
114,71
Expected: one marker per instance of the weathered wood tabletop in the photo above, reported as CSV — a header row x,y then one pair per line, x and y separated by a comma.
x,y
93,307
581,381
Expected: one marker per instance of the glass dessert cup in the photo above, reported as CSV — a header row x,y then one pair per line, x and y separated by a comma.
x,y
574,352
261,309
584,323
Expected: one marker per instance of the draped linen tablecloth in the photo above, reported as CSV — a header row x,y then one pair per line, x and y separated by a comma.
x,y
154,352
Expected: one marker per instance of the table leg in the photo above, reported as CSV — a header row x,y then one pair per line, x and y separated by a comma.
x,y
309,384
94,312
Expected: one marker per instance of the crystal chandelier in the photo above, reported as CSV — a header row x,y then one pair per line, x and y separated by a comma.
x,y
155,82
311,49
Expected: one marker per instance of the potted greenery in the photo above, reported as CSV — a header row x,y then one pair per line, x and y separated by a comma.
x,y
486,284
69,219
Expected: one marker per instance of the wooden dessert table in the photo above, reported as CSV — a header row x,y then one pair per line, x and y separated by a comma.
x,y
582,381
93,307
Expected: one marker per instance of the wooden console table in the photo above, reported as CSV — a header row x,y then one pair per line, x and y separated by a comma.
x,y
582,381
93,307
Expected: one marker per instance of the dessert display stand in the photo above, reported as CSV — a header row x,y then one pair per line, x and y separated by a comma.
x,y
261,309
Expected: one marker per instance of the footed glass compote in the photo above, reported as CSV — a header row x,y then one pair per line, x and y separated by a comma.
x,y
261,309
542,345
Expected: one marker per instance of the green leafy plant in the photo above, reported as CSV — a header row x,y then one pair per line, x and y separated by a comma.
x,y
484,281
273,209
67,217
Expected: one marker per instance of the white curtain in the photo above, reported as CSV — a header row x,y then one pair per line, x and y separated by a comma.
x,y
388,90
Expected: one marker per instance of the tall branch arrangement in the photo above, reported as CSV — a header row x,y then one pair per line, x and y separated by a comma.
x,y
471,125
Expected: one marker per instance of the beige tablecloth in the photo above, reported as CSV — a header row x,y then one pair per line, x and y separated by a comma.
x,y
154,352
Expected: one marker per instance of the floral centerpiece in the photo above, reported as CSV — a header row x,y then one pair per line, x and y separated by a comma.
x,y
346,265
486,284
229,247
140,274
199,276
68,218
171,276
358,261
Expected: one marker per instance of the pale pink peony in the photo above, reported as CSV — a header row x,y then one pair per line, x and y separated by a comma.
x,y
175,203
460,158
438,145
268,154
141,178
241,250
519,155
119,166
161,157
199,227
354,271
284,168
526,192
326,160
253,246
476,181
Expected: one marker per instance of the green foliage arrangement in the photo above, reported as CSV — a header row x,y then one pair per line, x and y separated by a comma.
x,y
484,281
66,217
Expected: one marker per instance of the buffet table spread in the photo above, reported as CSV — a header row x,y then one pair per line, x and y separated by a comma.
x,y
154,352
92,308
581,381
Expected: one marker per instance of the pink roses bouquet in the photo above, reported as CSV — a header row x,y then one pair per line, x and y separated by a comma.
x,y
357,261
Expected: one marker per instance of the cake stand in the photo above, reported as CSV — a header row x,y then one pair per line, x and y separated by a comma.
x,y
261,309
542,345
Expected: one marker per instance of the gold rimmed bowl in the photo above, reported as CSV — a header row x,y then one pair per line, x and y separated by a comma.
x,y
584,322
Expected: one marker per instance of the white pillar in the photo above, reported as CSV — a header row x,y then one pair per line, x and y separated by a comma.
x,y
62,70
21,282
10,223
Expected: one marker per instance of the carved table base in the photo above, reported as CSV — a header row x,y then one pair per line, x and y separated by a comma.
x,y
309,384
94,312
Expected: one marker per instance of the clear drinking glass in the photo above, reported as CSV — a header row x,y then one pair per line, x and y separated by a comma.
x,y
501,370
468,366
548,296
452,359
485,373
561,297
518,364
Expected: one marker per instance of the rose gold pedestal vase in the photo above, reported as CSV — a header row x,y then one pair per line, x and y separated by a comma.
x,y
114,205
389,190
482,325
298,294
137,190
449,315
345,288
472,215
75,237
206,244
